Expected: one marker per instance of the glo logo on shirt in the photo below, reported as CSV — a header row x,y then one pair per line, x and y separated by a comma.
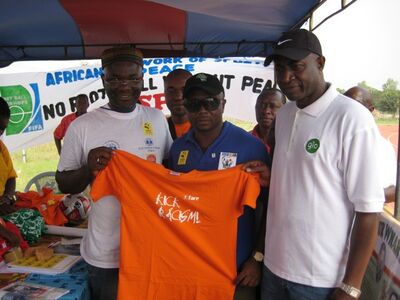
x,y
183,157
312,146
148,128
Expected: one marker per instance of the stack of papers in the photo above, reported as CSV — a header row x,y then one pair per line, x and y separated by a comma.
x,y
33,291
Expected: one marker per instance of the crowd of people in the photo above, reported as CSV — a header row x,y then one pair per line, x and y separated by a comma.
x,y
314,226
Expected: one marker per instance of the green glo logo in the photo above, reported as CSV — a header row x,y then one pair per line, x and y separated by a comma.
x,y
312,145
26,115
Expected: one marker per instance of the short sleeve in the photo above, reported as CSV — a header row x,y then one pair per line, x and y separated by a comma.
x,y
7,158
248,189
72,153
362,180
105,183
59,132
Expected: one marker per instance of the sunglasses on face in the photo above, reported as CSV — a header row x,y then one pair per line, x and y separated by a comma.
x,y
194,105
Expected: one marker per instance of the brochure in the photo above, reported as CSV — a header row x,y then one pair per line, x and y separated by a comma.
x,y
34,291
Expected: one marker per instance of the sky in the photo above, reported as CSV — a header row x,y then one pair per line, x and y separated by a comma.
x,y
362,43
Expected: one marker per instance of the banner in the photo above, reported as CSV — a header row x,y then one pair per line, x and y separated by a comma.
x,y
382,279
38,100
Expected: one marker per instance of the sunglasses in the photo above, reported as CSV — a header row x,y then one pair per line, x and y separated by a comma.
x,y
194,105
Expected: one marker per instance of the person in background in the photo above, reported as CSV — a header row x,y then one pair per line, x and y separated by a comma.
x,y
174,83
325,194
387,154
82,104
7,173
212,144
268,103
88,147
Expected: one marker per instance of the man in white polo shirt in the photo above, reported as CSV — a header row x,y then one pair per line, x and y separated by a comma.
x,y
325,192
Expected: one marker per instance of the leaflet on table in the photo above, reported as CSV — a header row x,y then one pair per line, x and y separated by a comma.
x,y
33,291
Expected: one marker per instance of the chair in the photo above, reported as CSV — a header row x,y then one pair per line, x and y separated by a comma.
x,y
42,179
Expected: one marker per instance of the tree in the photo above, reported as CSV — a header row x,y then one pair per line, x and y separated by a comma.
x,y
390,97
390,84
390,101
340,90
376,94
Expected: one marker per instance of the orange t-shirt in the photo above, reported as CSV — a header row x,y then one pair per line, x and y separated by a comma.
x,y
178,230
181,129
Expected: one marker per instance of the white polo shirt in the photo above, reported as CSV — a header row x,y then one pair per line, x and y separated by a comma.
x,y
324,169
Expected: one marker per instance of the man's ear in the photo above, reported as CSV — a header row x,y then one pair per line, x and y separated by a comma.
x,y
321,62
223,104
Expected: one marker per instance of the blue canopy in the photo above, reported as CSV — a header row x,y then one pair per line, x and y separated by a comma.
x,y
69,29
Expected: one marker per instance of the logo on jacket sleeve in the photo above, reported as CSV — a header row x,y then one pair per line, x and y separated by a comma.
x,y
183,155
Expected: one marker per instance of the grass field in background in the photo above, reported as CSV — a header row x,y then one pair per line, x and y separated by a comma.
x,y
44,158
387,121
38,159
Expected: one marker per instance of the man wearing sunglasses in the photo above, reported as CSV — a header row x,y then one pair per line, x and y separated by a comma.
x,y
213,144
88,147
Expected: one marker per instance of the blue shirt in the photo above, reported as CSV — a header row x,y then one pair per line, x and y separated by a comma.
x,y
232,147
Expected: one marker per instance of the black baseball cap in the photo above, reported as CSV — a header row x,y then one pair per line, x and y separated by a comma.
x,y
205,82
295,44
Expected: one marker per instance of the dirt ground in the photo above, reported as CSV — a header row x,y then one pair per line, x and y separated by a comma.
x,y
391,132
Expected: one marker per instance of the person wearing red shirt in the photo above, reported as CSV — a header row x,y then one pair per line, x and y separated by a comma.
x,y
82,104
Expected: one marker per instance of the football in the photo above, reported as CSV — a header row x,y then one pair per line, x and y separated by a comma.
x,y
75,207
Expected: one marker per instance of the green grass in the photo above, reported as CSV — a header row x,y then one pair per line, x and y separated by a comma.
x,y
39,159
387,121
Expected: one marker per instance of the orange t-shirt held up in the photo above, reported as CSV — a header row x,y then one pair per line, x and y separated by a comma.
x,y
178,230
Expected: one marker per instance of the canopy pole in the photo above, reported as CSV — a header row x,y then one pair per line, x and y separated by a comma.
x,y
397,203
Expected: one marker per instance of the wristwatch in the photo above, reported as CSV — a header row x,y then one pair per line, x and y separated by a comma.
x,y
350,290
258,256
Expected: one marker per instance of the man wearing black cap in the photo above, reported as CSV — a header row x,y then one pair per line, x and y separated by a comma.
x,y
322,222
213,144
88,147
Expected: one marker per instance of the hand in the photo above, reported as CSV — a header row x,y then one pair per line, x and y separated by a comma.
x,y
338,294
250,274
257,166
6,207
98,159
11,237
